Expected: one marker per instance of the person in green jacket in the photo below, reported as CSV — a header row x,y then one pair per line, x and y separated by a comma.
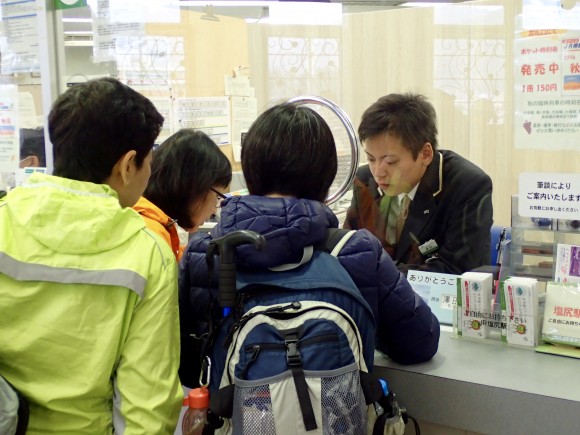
x,y
89,324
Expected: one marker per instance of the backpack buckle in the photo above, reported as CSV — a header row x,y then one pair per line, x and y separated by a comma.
x,y
293,357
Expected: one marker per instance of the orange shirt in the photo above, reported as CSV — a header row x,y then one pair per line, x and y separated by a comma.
x,y
157,221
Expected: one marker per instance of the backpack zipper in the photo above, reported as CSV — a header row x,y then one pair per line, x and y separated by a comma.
x,y
257,348
244,319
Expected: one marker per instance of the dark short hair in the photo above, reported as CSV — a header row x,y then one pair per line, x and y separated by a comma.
x,y
94,123
32,144
289,150
183,169
408,116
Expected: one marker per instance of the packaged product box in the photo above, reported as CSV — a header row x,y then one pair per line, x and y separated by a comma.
x,y
567,264
474,304
521,311
561,323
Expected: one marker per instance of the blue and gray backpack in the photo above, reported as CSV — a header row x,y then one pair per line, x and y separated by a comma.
x,y
296,351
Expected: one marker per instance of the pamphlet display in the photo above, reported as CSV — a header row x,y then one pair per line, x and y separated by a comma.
x,y
474,296
520,303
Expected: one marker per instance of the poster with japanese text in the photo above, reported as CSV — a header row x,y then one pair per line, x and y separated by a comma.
x,y
244,113
549,195
208,114
562,314
9,137
19,37
547,89
121,23
438,290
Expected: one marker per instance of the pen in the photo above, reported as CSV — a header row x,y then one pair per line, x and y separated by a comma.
x,y
498,246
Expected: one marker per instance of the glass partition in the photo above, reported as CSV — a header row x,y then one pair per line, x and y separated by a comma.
x,y
216,65
23,62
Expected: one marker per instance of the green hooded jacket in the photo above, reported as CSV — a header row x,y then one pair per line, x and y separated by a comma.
x,y
89,324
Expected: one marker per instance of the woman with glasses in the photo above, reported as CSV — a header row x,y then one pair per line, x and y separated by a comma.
x,y
188,176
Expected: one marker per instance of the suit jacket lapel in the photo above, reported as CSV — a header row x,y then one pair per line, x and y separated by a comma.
x,y
380,218
423,206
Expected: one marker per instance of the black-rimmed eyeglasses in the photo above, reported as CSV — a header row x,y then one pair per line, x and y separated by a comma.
x,y
220,197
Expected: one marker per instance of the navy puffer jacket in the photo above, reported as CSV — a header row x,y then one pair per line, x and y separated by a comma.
x,y
406,331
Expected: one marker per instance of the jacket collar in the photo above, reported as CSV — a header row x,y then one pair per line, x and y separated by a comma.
x,y
146,208
432,181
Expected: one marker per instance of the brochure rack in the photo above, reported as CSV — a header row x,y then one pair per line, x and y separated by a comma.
x,y
534,243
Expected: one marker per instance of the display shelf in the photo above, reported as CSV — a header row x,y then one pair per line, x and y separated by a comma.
x,y
534,243
539,272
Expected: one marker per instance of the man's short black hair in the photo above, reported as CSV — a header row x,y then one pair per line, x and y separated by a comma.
x,y
408,116
32,144
289,150
94,123
183,170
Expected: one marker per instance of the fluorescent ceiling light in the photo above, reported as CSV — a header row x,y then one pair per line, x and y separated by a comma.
x,y
305,13
85,43
471,15
78,32
77,20
422,4
220,3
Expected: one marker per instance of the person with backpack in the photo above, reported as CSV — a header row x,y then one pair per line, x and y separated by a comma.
x,y
88,295
289,161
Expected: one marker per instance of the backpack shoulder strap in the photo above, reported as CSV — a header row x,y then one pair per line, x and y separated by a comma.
x,y
335,240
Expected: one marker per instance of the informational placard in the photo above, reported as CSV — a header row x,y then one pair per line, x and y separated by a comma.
x,y
439,290
153,61
238,86
165,106
116,21
9,137
547,89
208,114
130,11
244,112
107,28
549,195
27,111
23,174
19,37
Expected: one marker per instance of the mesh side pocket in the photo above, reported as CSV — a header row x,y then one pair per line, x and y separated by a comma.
x,y
253,411
343,405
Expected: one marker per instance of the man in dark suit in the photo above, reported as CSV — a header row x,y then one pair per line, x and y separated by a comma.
x,y
430,208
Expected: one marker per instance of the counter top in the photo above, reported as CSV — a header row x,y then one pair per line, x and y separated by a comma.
x,y
489,387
